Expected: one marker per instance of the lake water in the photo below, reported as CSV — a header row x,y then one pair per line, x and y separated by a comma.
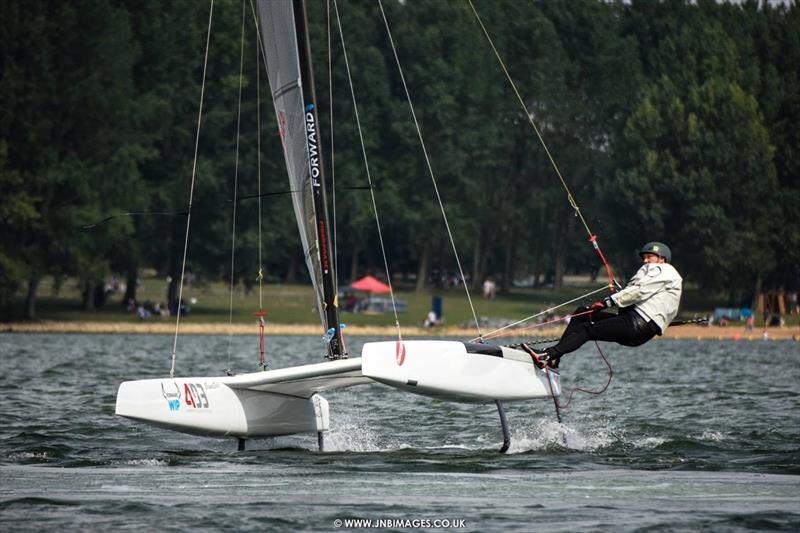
x,y
690,435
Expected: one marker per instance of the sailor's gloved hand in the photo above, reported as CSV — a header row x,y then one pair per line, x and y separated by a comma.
x,y
602,304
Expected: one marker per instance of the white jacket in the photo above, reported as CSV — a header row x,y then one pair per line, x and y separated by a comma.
x,y
655,292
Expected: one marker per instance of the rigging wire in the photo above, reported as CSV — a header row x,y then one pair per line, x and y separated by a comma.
x,y
93,225
263,54
260,54
260,314
236,185
494,333
191,193
258,173
366,167
612,282
430,168
261,195
559,319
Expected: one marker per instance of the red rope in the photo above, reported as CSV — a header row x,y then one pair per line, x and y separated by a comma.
x,y
261,358
559,319
612,281
575,389
612,286
587,391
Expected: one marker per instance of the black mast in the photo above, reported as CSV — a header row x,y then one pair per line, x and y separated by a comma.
x,y
316,168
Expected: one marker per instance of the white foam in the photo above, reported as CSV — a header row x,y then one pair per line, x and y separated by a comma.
x,y
649,442
152,461
29,455
451,447
549,433
348,435
714,436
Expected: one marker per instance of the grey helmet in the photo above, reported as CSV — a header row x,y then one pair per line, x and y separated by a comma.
x,y
657,248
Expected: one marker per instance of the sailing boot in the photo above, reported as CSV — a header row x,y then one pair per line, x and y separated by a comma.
x,y
552,358
540,359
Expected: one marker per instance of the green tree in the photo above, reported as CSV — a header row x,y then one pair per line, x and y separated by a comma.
x,y
67,88
699,169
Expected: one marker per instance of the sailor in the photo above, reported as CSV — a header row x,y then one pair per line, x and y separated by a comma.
x,y
647,305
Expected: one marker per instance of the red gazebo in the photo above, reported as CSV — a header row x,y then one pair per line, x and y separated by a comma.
x,y
370,284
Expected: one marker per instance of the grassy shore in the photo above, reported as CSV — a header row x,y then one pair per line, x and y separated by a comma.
x,y
295,304
735,333
291,311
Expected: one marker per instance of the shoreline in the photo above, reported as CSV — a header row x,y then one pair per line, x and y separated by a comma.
x,y
693,332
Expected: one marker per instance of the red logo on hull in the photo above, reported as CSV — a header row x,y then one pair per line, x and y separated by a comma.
x,y
400,353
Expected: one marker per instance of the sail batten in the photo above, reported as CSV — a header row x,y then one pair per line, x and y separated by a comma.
x,y
286,88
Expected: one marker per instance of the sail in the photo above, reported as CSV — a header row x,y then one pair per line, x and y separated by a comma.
x,y
278,33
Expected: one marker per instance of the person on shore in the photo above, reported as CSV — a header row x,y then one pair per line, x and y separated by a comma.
x,y
647,305
431,320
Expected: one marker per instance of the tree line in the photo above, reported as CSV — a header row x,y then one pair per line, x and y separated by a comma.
x,y
669,121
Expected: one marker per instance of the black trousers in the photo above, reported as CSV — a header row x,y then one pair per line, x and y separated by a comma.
x,y
627,328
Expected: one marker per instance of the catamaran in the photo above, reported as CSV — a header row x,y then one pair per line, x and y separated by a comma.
x,y
285,401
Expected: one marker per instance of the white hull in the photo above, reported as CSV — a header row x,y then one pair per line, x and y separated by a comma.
x,y
259,404
446,370
207,407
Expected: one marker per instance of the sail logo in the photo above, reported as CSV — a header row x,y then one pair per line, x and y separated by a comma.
x,y
313,151
282,128
323,247
173,398
194,395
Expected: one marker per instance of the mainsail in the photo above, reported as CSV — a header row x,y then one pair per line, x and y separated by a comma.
x,y
286,46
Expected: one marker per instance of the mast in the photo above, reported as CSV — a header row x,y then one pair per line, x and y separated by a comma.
x,y
330,301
